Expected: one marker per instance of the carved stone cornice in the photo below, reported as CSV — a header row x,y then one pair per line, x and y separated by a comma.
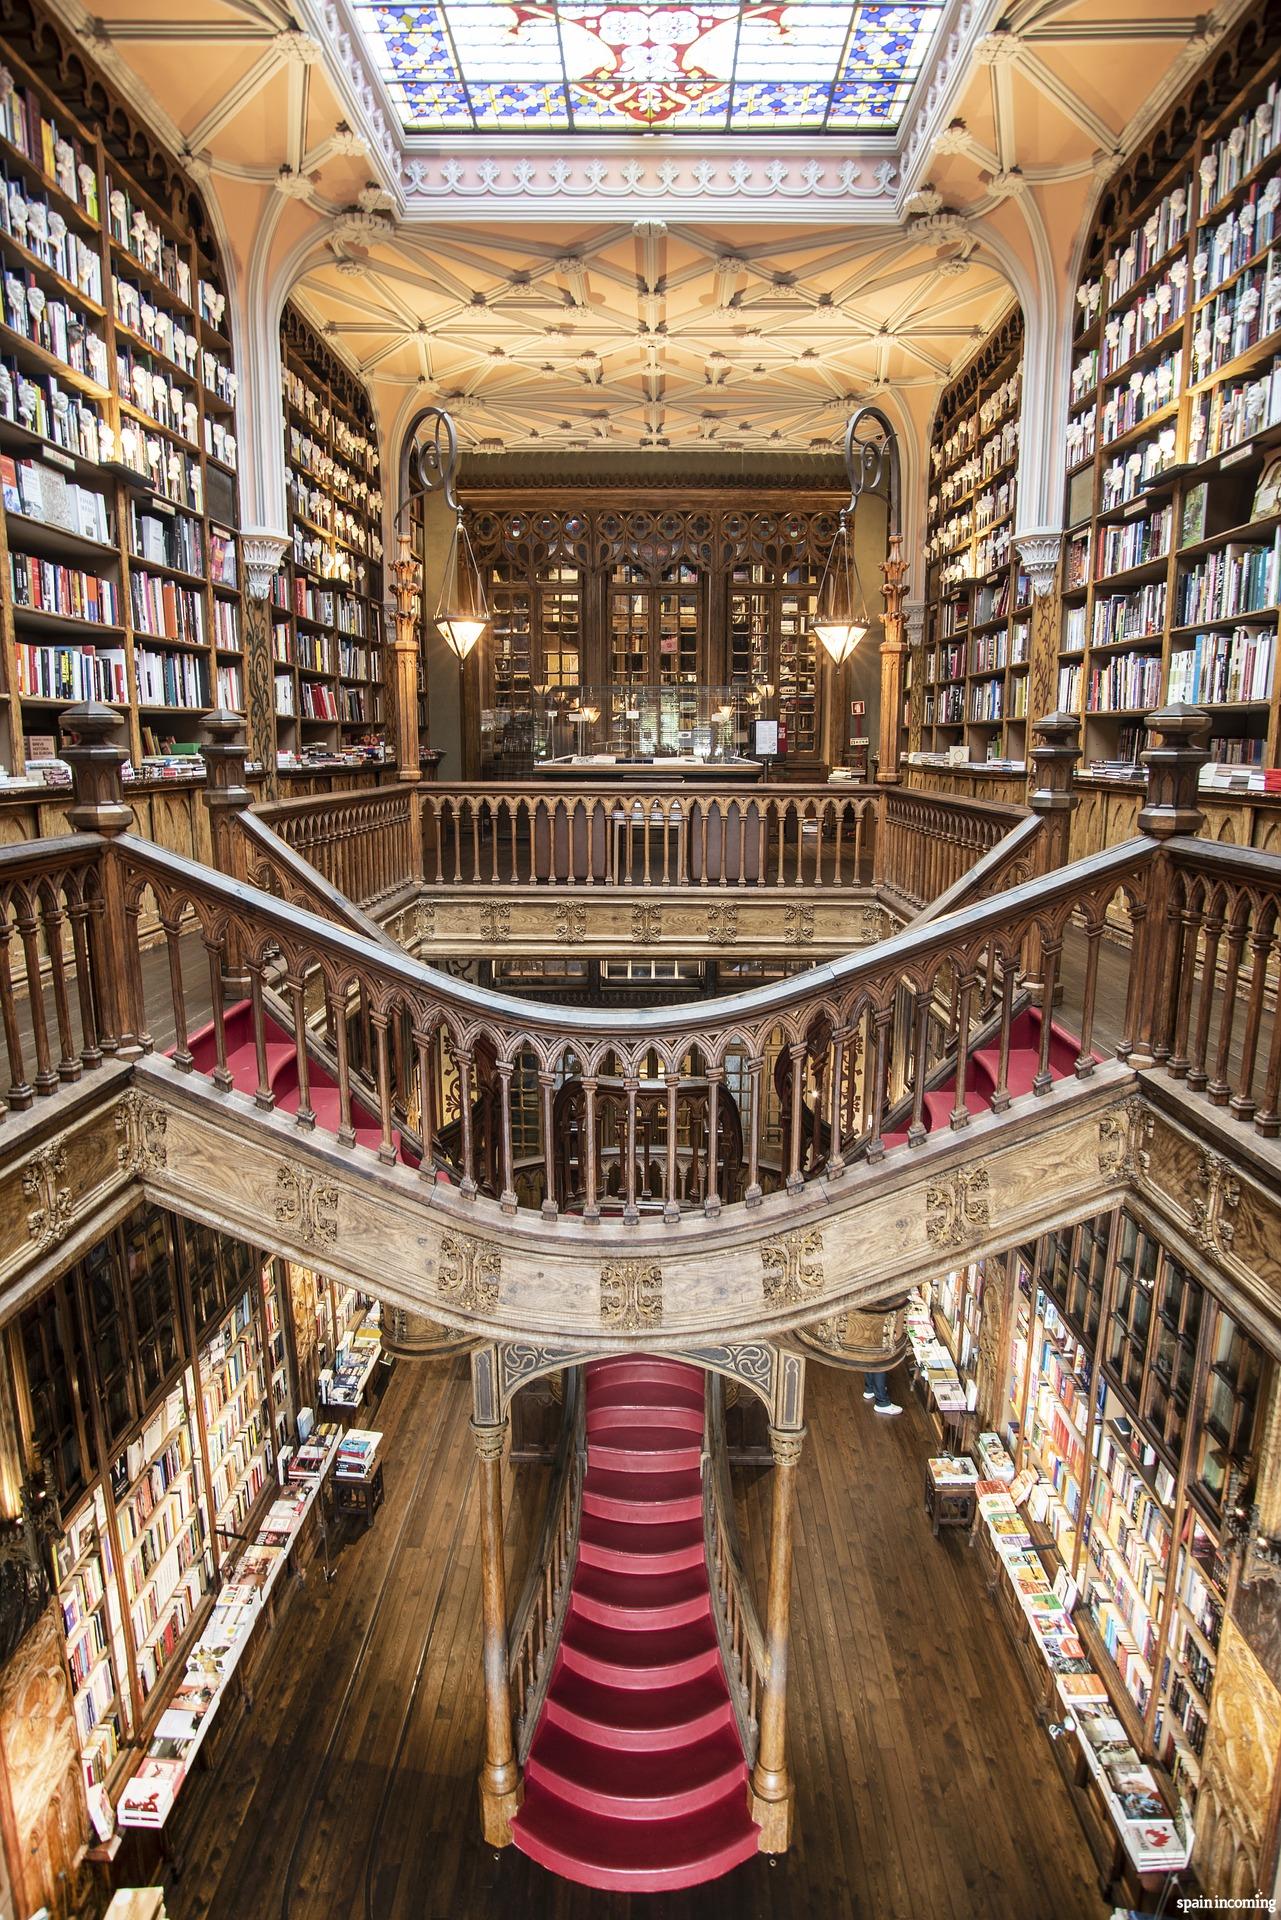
x,y
1039,554
261,553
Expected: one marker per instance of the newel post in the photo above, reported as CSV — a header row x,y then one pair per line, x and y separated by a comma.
x,y
1055,759
501,1788
226,797
771,1796
1172,807
97,763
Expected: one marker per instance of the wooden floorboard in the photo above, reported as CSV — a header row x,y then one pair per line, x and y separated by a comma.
x,y
924,1787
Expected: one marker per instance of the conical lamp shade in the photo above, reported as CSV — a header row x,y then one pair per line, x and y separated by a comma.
x,y
837,622
462,613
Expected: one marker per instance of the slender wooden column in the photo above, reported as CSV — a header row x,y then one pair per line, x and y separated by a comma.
x,y
261,552
892,650
770,1793
401,677
501,1787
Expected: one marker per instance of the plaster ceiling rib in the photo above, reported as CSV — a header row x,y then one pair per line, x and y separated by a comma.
x,y
296,114
234,100
210,32
1068,101
1074,32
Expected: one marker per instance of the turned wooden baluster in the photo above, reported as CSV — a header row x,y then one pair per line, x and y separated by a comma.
x,y
1242,1103
920,1044
53,920
1189,936
1084,1064
90,1050
463,1066
835,1159
756,1093
1220,1088
546,1089
181,1055
671,1199
1050,951
386,1145
21,1093
304,1118
590,1147
424,1050
960,1114
507,1197
795,1177
631,1212
264,1098
1212,934
882,1021
712,1195
46,1078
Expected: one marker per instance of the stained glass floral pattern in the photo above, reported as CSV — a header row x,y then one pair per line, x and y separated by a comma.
x,y
729,65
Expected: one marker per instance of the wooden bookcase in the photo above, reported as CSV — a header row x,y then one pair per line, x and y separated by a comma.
x,y
119,578
1172,571
327,601
1133,1391
152,1382
978,619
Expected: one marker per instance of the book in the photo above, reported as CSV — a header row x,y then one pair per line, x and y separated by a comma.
x,y
1267,491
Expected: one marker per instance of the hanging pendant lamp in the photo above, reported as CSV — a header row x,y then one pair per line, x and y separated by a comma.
x,y
462,612
841,620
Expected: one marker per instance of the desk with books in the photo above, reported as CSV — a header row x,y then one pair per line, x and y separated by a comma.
x,y
358,1475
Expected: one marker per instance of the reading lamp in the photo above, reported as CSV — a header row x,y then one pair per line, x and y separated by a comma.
x,y
842,618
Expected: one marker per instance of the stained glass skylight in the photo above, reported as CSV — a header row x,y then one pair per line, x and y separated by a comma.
x,y
733,66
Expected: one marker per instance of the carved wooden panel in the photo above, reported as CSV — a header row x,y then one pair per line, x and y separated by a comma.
x,y
1238,1770
41,1769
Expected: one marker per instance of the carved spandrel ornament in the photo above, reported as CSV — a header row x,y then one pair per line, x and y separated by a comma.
x,y
647,924
570,925
798,925
43,1180
792,1266
1215,1195
958,1209
631,1295
469,1273
722,925
142,1124
496,922
1238,1770
306,1206
1124,1132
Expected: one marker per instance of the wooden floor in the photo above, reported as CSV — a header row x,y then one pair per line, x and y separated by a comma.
x,y
924,1787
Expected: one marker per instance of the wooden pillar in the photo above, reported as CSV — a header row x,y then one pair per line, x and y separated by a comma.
x,y
892,651
1039,555
260,556
1052,799
500,1782
402,677
771,1787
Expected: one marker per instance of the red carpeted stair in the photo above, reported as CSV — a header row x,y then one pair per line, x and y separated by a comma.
x,y
1024,1064
282,1075
636,1780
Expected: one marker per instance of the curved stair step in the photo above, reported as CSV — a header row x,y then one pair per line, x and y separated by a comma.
x,y
645,1449
630,1546
623,1367
635,1856
602,1779
639,1720
650,1498
615,1599
636,1656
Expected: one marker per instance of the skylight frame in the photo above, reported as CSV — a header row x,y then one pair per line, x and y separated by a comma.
x,y
842,80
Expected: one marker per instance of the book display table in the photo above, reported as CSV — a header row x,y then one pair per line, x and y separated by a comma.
x,y
358,1475
950,1484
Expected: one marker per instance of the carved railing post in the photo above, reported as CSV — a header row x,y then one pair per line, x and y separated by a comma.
x,y
261,552
500,1779
892,650
1052,799
97,762
1172,807
226,797
771,1787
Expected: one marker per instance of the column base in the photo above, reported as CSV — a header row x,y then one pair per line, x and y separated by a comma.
x,y
770,1804
500,1796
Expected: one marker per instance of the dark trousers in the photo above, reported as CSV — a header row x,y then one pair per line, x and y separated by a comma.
x,y
878,1384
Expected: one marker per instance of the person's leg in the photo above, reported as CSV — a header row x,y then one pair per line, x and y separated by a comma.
x,y
884,1404
873,1386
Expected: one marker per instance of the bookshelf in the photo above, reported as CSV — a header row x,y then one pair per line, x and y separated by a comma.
x,y
163,1527
84,1574
978,618
1139,1391
1172,492
327,600
237,1421
119,577
157,1461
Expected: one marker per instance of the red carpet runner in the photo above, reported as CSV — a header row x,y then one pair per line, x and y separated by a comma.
x,y
636,1779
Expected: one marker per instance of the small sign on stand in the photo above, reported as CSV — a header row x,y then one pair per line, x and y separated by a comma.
x,y
765,743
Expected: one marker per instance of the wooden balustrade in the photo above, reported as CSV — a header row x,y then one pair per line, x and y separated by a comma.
x,y
926,843
57,1021
366,845
534,1634
872,1023
744,1653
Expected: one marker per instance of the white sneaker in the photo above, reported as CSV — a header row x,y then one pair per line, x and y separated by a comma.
x,y
889,1406
869,1394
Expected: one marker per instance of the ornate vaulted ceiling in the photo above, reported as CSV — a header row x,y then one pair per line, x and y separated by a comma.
x,y
651,287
